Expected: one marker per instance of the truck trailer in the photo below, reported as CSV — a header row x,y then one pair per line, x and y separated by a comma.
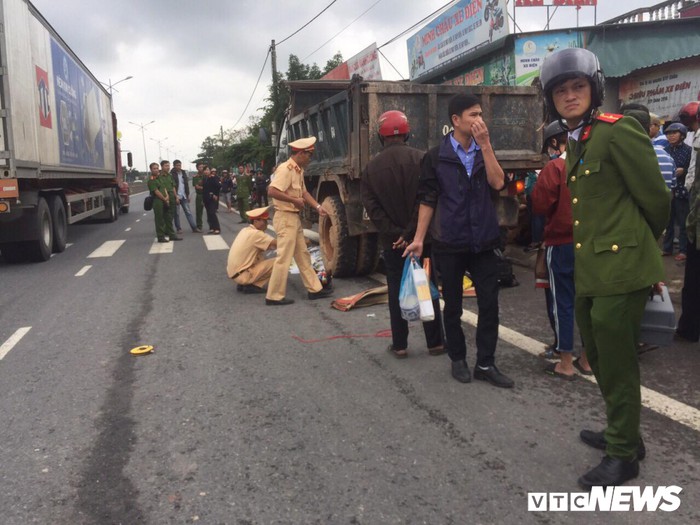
x,y
343,115
60,161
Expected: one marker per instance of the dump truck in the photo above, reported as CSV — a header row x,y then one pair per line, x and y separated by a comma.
x,y
343,116
59,157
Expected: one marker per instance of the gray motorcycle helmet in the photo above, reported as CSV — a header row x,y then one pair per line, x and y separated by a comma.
x,y
567,64
551,130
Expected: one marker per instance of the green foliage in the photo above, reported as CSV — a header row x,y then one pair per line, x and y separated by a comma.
x,y
231,148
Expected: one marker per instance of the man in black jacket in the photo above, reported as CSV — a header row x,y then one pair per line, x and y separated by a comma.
x,y
388,188
182,190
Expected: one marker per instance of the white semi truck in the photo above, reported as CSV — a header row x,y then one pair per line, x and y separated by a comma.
x,y
59,157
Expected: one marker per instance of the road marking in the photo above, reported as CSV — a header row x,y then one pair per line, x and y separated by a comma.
x,y
69,244
128,229
13,340
83,270
215,242
161,247
107,249
138,220
660,403
143,215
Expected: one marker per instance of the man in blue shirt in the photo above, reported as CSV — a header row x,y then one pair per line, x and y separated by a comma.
x,y
459,180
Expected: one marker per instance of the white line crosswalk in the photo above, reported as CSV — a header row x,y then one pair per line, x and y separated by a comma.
x,y
215,242
161,247
107,249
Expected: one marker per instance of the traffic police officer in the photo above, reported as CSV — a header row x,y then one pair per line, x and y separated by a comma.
x,y
289,194
246,264
620,206
167,185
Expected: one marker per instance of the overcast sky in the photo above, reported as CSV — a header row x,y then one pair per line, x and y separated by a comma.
x,y
195,62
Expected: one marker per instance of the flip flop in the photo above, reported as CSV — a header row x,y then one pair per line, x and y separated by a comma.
x,y
551,369
645,347
582,370
398,354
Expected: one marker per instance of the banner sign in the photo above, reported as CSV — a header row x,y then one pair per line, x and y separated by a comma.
x,y
498,71
531,50
466,26
365,63
80,117
541,3
665,89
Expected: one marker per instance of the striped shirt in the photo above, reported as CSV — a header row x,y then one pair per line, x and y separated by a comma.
x,y
667,165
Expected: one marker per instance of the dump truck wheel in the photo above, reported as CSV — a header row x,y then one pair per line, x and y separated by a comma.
x,y
60,223
113,207
339,250
40,249
367,253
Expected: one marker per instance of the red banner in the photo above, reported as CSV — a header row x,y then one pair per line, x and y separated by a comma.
x,y
540,3
529,3
42,86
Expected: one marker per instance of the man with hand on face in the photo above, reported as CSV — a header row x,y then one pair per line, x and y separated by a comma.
x,y
459,181
289,194
620,205
246,264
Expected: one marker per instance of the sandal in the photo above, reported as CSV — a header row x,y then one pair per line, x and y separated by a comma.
x,y
551,369
551,353
680,257
398,354
580,368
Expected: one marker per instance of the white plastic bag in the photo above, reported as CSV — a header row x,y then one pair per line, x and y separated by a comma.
x,y
408,296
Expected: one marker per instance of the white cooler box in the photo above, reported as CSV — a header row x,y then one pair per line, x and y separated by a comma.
x,y
659,320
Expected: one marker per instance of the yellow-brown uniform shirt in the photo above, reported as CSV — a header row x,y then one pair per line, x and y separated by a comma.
x,y
247,250
289,178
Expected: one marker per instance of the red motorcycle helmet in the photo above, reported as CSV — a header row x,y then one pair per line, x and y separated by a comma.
x,y
392,124
689,113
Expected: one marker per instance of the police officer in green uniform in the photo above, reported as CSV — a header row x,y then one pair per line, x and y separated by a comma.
x,y
198,183
167,184
620,207
161,200
245,188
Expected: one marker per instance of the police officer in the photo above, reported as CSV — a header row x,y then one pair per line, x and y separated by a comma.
x,y
244,187
246,264
160,200
167,185
289,194
620,206
198,183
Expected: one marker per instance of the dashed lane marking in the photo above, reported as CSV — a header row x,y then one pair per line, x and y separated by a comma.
x,y
144,214
83,270
651,399
138,220
107,249
215,242
161,247
13,340
128,229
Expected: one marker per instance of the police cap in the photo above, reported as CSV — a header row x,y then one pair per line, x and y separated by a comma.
x,y
303,144
259,213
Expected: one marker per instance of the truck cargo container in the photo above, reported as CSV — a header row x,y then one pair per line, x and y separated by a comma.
x,y
343,116
59,157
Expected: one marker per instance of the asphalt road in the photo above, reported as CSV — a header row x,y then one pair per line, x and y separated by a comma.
x,y
253,414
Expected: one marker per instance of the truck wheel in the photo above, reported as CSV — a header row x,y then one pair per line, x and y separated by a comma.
x,y
339,250
113,207
367,253
60,223
40,250
13,252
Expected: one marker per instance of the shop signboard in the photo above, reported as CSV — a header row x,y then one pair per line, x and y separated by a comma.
x,y
532,49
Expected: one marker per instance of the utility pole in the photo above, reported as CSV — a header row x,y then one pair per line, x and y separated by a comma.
x,y
143,138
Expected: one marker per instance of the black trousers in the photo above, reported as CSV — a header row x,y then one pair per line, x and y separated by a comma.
x,y
483,268
393,263
212,206
689,322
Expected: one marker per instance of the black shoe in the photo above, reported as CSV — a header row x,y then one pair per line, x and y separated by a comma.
x,y
319,295
610,473
460,371
175,238
494,376
249,288
597,440
281,302
163,239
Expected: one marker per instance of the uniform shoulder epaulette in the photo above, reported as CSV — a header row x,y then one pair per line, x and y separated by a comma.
x,y
610,118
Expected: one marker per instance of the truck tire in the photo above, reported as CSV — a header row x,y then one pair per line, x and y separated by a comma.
x,y
113,207
367,253
60,223
40,249
339,250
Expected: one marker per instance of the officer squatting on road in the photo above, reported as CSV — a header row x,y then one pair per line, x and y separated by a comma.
x,y
620,206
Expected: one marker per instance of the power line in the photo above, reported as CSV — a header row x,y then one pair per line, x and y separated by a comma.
x,y
339,32
431,15
392,65
307,23
255,88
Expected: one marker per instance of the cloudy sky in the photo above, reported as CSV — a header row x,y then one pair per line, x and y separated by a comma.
x,y
195,62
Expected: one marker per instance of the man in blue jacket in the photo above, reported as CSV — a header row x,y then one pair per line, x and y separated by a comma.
x,y
459,182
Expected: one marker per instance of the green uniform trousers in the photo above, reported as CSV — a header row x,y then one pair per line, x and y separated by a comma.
x,y
164,219
610,327
243,206
199,210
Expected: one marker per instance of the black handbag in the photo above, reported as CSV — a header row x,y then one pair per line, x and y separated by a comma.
x,y
148,203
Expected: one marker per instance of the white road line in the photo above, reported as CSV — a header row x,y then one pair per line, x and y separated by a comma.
x,y
13,340
143,215
69,244
138,220
83,270
664,405
161,247
215,242
107,249
128,229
